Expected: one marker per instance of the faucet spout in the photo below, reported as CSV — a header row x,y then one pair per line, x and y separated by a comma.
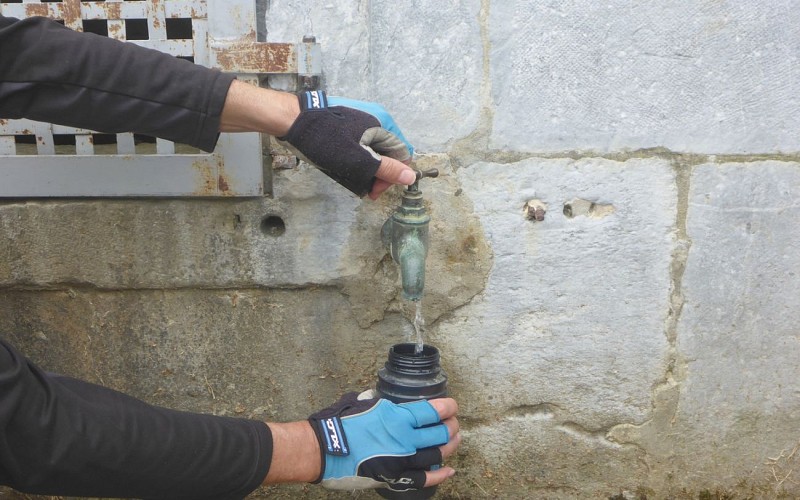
x,y
412,267
405,235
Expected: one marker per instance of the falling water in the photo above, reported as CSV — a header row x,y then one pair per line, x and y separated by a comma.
x,y
419,328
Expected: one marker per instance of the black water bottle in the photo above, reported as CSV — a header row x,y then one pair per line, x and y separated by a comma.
x,y
409,376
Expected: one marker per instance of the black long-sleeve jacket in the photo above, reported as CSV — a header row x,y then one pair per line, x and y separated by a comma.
x,y
53,74
63,436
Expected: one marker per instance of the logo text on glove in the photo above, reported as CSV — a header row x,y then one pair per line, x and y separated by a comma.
x,y
313,100
400,481
335,440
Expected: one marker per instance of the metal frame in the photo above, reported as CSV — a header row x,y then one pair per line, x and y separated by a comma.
x,y
224,36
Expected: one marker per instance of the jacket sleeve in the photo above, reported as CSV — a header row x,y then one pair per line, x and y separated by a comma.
x,y
53,74
61,436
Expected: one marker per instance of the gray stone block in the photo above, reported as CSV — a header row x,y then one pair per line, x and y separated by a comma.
x,y
431,67
573,312
704,77
738,333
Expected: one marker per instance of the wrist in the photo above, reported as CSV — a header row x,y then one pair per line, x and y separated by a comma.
x,y
296,456
286,109
254,109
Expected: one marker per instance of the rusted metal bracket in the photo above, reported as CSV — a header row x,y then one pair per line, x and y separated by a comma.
x,y
252,57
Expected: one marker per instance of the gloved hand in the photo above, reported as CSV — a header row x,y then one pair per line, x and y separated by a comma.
x,y
345,139
374,443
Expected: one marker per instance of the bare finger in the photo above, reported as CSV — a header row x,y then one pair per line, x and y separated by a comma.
x,y
395,172
446,407
378,188
438,476
451,446
452,426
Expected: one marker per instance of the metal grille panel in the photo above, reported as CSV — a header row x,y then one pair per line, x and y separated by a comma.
x,y
41,159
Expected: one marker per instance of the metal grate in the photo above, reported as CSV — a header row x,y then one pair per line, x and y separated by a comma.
x,y
41,159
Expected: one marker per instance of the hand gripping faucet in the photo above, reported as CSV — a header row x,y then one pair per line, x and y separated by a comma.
x,y
405,235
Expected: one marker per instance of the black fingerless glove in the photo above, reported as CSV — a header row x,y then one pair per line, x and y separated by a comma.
x,y
345,138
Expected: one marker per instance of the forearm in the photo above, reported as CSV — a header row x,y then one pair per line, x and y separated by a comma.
x,y
66,437
53,74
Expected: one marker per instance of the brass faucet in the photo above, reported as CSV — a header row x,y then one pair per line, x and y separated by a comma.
x,y
405,235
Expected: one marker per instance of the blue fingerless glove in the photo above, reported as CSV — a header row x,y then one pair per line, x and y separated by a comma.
x,y
345,138
374,443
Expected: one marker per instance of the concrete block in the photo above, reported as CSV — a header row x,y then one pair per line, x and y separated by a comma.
x,y
702,77
268,354
294,240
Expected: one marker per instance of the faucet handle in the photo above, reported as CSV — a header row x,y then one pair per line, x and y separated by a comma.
x,y
434,172
414,188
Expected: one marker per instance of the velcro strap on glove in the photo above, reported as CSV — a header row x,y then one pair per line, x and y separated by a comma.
x,y
331,435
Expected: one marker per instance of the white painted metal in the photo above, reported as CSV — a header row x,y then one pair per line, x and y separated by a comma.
x,y
235,168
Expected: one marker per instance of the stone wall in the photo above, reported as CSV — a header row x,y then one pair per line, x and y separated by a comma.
x,y
640,341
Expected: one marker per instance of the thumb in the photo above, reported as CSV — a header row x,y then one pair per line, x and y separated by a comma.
x,y
438,476
395,172
391,172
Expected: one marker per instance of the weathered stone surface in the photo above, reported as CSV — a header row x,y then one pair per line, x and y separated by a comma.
x,y
537,452
709,77
609,327
342,28
458,262
726,416
573,312
431,69
136,244
739,335
329,238
263,354
422,60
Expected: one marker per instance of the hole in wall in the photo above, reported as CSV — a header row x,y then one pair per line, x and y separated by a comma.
x,y
586,208
272,225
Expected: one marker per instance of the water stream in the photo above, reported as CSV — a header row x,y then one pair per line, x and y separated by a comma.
x,y
419,328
